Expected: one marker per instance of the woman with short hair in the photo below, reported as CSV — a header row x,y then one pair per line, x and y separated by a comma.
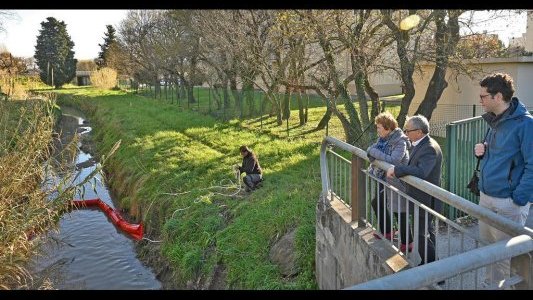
x,y
392,147
250,166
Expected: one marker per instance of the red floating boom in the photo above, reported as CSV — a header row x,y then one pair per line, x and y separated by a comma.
x,y
135,230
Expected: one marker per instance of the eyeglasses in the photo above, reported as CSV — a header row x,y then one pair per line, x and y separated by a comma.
x,y
483,96
409,130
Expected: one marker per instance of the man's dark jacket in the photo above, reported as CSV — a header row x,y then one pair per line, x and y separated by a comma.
x,y
425,163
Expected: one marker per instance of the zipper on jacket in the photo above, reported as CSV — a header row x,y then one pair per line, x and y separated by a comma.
x,y
509,177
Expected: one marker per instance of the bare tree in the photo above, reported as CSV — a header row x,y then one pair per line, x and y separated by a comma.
x,y
4,16
246,52
435,40
10,68
219,50
136,32
329,77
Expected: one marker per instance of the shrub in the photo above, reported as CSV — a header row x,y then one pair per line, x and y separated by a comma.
x,y
105,78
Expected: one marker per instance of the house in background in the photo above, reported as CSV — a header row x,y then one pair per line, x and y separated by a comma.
x,y
526,40
460,100
84,69
83,78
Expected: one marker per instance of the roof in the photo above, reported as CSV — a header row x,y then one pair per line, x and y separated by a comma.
x,y
83,73
493,60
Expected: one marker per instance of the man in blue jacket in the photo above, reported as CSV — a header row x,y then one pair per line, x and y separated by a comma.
x,y
506,181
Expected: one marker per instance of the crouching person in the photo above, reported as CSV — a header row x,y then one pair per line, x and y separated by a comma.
x,y
250,166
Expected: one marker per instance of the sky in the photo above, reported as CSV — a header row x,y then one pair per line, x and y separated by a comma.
x,y
87,27
505,26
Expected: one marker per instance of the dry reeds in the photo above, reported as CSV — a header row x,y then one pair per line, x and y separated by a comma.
x,y
25,134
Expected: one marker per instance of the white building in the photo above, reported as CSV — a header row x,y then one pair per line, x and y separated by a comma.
x,y
460,100
526,40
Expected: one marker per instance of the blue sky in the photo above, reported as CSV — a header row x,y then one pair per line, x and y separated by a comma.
x,y
87,27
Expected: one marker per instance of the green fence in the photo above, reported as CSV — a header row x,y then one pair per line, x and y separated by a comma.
x,y
460,160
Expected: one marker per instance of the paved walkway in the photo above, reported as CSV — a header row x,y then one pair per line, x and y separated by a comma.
x,y
452,246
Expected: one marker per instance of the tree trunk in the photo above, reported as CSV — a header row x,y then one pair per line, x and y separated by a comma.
x,y
351,133
190,93
406,66
433,93
216,95
306,108
157,87
226,95
301,114
361,97
279,118
406,102
286,103
325,119
446,39
249,97
374,97
235,92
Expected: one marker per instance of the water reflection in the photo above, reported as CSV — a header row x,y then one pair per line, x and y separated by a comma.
x,y
88,252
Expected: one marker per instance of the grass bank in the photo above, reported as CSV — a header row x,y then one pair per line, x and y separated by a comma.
x,y
169,156
166,151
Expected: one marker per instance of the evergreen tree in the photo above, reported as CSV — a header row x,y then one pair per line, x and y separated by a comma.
x,y
110,40
54,53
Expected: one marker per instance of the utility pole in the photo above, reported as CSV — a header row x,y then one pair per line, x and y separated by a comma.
x,y
47,70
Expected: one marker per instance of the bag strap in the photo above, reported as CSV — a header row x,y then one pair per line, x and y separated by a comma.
x,y
484,139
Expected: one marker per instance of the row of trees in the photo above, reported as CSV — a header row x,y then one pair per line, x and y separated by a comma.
x,y
284,53
289,52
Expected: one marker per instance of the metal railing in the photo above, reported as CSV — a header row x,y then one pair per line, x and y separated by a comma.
x,y
350,179
459,264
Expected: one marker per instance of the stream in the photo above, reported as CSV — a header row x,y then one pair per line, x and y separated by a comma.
x,y
88,251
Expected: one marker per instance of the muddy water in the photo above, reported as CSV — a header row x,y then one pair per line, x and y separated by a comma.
x,y
88,252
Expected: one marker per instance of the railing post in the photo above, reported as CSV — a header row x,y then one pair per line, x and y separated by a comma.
x,y
523,266
358,191
451,145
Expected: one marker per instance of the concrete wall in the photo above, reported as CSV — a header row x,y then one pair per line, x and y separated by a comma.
x,y
466,91
528,36
347,255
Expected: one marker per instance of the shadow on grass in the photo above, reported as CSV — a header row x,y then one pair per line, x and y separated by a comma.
x,y
266,210
263,118
312,130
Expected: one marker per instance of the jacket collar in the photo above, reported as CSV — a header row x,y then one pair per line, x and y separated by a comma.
x,y
424,141
515,109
